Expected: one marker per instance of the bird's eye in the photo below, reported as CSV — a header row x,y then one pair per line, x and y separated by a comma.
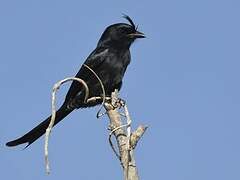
x,y
125,30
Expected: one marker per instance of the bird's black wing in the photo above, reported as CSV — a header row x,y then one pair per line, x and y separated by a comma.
x,y
94,61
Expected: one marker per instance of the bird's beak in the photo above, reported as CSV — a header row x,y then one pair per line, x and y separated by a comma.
x,y
137,34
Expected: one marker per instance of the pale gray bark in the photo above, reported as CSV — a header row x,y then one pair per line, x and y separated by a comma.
x,y
125,144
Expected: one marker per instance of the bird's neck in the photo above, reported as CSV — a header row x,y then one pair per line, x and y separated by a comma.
x,y
120,46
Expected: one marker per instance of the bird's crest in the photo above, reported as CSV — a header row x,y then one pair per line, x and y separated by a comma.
x,y
130,21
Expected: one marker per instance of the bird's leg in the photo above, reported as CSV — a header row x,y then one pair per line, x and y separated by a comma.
x,y
98,98
121,102
117,102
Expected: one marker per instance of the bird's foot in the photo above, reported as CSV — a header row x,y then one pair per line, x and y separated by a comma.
x,y
118,103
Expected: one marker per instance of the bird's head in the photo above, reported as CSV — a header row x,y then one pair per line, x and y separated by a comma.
x,y
120,35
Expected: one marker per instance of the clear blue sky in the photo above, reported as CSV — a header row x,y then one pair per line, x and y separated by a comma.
x,y
183,82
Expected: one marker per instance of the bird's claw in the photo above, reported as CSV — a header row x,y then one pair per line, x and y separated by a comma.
x,y
118,103
122,102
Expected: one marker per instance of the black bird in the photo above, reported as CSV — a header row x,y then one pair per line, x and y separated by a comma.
x,y
109,61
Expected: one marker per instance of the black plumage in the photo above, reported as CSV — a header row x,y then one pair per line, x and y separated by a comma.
x,y
109,61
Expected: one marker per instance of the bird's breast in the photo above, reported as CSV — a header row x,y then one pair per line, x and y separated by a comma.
x,y
113,70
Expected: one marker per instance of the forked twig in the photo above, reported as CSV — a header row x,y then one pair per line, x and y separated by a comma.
x,y
126,140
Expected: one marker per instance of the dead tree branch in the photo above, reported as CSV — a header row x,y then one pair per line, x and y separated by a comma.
x,y
50,126
125,141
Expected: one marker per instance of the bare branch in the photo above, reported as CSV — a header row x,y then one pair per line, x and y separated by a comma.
x,y
48,130
126,141
86,100
122,133
136,135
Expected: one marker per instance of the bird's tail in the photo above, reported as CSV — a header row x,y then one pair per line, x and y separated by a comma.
x,y
39,130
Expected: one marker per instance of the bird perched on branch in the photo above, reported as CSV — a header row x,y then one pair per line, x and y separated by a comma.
x,y
109,61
